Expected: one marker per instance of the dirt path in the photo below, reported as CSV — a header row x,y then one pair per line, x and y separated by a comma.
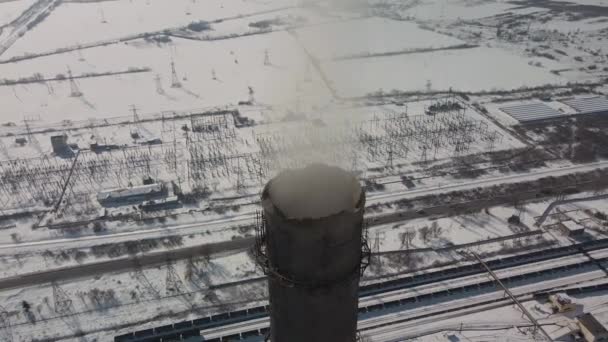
x,y
28,19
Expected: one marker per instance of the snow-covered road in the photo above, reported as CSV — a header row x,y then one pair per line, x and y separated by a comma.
x,y
248,216
521,177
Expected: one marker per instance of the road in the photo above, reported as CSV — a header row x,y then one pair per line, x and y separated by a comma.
x,y
248,217
528,176
121,264
18,27
95,240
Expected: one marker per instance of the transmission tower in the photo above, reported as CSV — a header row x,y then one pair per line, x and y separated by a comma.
x,y
135,115
32,138
5,326
251,94
266,57
389,160
148,288
80,56
376,250
103,16
159,85
63,303
424,156
28,129
175,83
74,90
174,284
49,88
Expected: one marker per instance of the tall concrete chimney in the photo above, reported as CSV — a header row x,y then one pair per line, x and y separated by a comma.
x,y
310,246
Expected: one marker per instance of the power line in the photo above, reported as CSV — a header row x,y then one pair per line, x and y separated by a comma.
x,y
525,311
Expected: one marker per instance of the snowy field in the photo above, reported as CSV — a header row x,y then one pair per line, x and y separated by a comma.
x,y
440,10
97,21
472,70
275,65
378,35
236,64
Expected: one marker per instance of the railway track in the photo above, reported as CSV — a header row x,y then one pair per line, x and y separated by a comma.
x,y
406,294
383,313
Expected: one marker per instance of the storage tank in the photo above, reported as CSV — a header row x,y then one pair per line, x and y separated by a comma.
x,y
311,246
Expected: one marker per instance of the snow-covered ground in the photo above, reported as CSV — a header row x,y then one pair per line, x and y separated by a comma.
x,y
143,297
97,21
456,9
236,65
471,70
379,35
301,70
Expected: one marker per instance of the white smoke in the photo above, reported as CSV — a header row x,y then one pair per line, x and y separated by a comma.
x,y
320,129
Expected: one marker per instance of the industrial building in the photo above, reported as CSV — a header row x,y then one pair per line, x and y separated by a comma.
x,y
597,105
537,111
310,246
59,144
133,194
166,203
532,112
591,329
572,228
561,303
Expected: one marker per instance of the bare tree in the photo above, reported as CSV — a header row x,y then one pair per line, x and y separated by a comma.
x,y
406,238
436,230
425,233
